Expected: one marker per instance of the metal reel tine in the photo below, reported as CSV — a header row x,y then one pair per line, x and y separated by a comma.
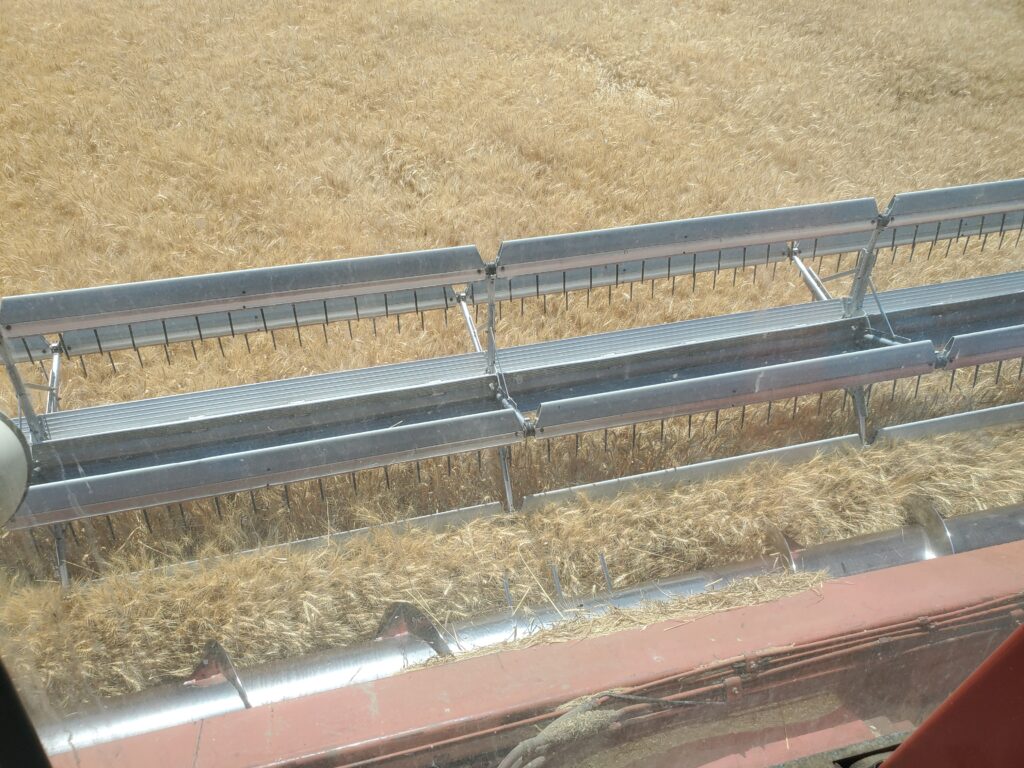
x,y
556,581
131,335
35,543
508,591
604,570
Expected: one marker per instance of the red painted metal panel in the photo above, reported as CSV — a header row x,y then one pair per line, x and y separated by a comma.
x,y
436,703
981,724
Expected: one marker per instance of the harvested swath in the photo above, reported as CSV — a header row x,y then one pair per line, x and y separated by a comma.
x,y
128,632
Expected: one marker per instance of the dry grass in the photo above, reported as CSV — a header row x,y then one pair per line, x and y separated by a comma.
x,y
141,141
128,632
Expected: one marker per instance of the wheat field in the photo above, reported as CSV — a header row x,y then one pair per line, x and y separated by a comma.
x,y
158,139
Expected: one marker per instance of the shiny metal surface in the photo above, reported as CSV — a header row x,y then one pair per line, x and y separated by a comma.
x,y
985,347
727,390
89,308
169,705
79,497
663,240
295,296
150,452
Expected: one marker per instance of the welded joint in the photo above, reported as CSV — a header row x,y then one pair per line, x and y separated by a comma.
x,y
525,424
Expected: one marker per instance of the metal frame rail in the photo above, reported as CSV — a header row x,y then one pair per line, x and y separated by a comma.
x,y
126,456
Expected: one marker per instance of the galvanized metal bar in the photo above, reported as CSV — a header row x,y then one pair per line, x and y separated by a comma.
x,y
810,278
470,325
958,203
983,347
881,310
52,406
118,305
866,258
492,344
756,385
79,497
675,238
53,397
996,416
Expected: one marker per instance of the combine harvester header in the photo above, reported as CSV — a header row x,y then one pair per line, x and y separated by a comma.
x,y
120,457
